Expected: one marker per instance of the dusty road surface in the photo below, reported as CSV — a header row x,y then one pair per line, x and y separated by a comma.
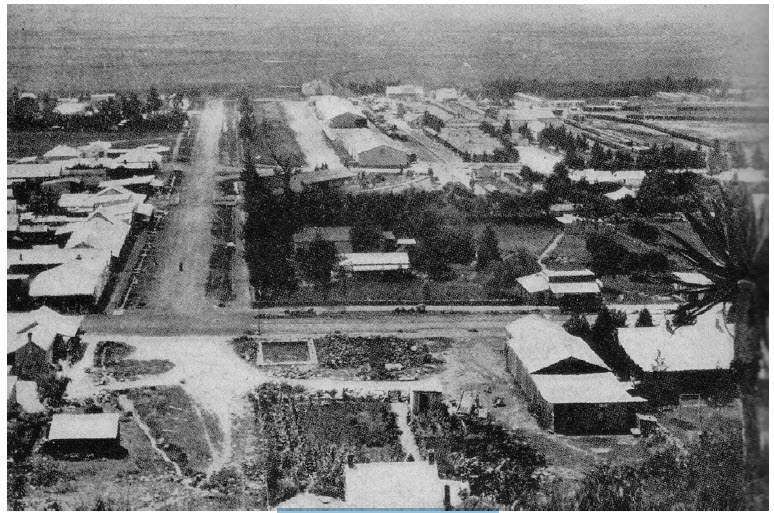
x,y
187,240
310,136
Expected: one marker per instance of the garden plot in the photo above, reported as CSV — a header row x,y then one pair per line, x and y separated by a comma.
x,y
307,438
112,358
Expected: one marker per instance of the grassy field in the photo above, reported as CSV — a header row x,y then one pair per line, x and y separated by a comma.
x,y
28,144
170,415
285,352
570,254
534,237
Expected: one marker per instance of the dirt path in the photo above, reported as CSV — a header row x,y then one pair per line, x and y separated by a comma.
x,y
550,249
406,435
187,240
310,136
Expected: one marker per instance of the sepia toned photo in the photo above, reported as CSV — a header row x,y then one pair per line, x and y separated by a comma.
x,y
387,257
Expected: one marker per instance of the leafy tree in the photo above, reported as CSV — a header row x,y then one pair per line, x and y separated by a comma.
x,y
488,248
507,130
505,273
644,231
735,258
578,326
645,319
758,161
366,236
738,159
528,174
604,339
318,261
717,161
154,100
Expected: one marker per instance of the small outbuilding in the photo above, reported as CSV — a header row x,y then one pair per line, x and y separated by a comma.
x,y
375,262
95,433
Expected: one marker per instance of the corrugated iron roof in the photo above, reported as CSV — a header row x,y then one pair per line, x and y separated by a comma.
x,y
93,426
598,388
540,343
706,345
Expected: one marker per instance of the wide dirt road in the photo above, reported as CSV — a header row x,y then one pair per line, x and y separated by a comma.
x,y
187,237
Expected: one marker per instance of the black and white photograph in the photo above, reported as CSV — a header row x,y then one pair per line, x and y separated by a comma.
x,y
388,257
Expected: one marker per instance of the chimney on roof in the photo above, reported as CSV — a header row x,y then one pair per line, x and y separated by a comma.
x,y
29,336
78,257
446,497
351,460
21,257
431,457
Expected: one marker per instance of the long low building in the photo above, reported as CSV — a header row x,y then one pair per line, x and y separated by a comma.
x,y
375,262
339,113
372,149
95,433
569,388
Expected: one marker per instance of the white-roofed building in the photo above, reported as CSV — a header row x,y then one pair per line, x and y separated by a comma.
x,y
372,149
571,290
90,433
622,193
392,485
32,340
26,396
707,345
100,232
109,196
76,284
445,94
138,158
71,108
568,386
62,152
39,171
405,92
338,113
375,262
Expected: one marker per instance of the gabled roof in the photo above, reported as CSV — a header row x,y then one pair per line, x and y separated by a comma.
x,y
53,256
540,343
329,107
696,279
43,324
94,426
62,151
358,140
73,278
706,345
534,283
597,388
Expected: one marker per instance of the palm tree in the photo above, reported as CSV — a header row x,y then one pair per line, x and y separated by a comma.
x,y
735,259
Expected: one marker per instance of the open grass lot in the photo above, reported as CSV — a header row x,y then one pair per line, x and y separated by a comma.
x,y
569,254
532,236
28,144
745,133
128,483
171,416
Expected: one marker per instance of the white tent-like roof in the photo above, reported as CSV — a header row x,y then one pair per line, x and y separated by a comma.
x,y
358,140
43,324
62,151
540,343
706,345
329,107
534,283
623,192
